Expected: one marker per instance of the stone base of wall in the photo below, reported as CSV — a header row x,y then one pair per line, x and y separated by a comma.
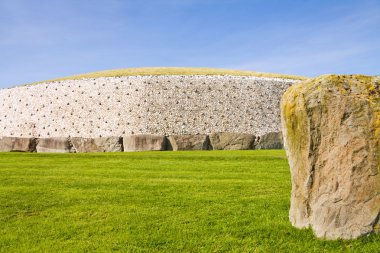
x,y
232,141
17,144
106,144
144,142
189,142
271,140
54,145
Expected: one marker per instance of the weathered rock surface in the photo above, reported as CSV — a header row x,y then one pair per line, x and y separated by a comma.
x,y
331,128
54,145
144,142
101,144
17,144
232,141
189,142
272,140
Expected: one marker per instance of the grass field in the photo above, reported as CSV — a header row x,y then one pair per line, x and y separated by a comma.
x,y
159,71
206,201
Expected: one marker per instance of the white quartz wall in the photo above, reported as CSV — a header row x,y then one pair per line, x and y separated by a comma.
x,y
117,106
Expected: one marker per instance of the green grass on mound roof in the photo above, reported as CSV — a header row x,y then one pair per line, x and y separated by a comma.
x,y
158,71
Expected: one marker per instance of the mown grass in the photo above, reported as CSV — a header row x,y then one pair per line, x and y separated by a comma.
x,y
159,71
206,201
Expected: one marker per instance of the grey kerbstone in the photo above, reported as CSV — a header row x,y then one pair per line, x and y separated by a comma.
x,y
144,142
189,142
101,144
271,140
232,141
54,145
17,144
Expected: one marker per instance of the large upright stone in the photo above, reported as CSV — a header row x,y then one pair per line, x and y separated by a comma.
x,y
189,142
144,142
101,144
272,140
54,145
232,141
331,127
17,144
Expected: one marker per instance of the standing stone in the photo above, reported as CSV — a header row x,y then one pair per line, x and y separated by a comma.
x,y
54,145
101,144
331,127
17,144
144,142
272,140
232,141
189,142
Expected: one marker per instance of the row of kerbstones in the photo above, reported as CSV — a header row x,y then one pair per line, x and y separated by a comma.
x,y
143,142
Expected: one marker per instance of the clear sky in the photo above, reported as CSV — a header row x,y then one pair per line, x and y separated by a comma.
x,y
44,39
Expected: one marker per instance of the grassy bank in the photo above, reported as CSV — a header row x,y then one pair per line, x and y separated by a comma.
x,y
159,71
210,201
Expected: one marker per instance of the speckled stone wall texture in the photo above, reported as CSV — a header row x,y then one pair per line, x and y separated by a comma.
x,y
117,106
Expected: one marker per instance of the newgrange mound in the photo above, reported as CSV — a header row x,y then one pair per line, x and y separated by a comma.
x,y
162,101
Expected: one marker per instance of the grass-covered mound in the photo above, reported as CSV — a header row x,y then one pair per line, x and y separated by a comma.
x,y
208,201
159,71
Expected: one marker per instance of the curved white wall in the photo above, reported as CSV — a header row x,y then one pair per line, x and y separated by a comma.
x,y
117,106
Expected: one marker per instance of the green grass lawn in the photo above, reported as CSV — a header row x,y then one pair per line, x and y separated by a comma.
x,y
206,201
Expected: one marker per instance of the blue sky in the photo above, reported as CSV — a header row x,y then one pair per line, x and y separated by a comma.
x,y
43,39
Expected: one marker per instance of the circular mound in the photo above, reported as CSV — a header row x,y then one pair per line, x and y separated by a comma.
x,y
85,106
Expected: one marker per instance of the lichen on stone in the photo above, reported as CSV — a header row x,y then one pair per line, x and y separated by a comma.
x,y
331,135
